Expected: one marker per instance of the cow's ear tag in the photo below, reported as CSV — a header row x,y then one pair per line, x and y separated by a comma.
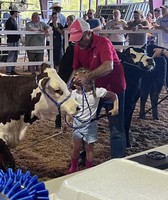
x,y
44,82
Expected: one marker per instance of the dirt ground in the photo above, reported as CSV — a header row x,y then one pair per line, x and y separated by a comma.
x,y
50,158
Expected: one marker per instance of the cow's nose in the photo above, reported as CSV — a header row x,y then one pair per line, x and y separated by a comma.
x,y
77,108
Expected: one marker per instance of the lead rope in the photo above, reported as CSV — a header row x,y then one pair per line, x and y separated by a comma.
x,y
58,105
84,122
41,140
57,134
49,97
69,86
137,65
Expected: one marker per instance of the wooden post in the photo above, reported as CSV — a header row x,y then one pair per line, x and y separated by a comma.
x,y
90,4
118,1
97,3
81,3
1,17
43,6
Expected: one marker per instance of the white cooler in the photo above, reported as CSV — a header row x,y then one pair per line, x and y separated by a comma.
x,y
117,179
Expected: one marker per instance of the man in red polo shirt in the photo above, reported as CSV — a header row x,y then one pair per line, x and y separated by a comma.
x,y
98,54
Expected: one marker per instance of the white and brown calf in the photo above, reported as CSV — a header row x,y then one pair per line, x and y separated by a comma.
x,y
25,99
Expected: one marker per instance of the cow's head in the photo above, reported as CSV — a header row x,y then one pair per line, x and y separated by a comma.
x,y
137,57
56,92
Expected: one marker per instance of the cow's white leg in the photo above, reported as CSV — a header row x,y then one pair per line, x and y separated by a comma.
x,y
12,132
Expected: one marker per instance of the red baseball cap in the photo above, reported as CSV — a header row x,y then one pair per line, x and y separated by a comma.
x,y
164,6
77,28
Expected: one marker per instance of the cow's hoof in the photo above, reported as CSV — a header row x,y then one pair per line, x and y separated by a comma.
x,y
156,118
6,158
58,126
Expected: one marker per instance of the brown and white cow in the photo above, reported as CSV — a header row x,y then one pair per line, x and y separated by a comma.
x,y
25,99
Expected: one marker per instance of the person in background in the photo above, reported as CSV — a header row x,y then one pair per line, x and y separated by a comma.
x,y
87,131
151,38
94,23
70,19
36,40
65,66
116,24
103,22
157,15
85,17
97,54
162,52
12,40
149,18
56,8
137,23
6,15
162,24
57,40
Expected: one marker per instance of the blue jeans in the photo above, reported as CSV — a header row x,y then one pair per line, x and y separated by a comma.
x,y
116,124
12,56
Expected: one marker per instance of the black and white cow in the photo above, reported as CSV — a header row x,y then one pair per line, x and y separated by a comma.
x,y
152,83
135,63
25,99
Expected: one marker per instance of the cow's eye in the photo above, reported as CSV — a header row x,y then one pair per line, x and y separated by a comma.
x,y
60,92
133,55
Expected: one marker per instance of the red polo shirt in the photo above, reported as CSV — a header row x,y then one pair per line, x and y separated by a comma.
x,y
101,50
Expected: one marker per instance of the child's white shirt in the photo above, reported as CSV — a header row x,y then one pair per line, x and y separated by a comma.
x,y
90,106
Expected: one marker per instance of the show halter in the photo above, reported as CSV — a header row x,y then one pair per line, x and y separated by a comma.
x,y
136,64
53,100
84,122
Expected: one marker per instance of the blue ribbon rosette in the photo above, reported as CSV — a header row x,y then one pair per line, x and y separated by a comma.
x,y
21,186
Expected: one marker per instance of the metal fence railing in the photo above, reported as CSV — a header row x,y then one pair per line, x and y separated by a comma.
x,y
22,48
106,32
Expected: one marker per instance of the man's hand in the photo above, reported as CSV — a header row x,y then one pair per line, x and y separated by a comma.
x,y
140,26
135,28
48,31
81,79
157,52
114,112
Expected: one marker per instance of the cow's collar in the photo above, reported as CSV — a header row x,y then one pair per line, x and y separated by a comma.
x,y
53,100
141,58
136,64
